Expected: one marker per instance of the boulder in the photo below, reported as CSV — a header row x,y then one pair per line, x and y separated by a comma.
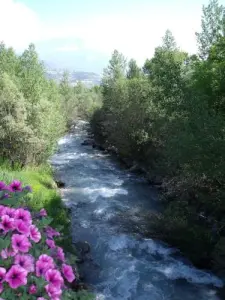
x,y
88,142
60,184
82,247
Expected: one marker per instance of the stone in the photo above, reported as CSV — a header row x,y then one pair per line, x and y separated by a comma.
x,y
60,184
82,247
88,142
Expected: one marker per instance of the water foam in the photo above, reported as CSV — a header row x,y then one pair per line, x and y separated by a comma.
x,y
155,248
178,270
173,269
64,140
120,242
104,192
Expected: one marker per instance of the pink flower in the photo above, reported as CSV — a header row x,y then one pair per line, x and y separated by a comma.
x,y
2,274
68,273
51,232
5,253
2,209
20,243
3,186
25,261
15,186
24,215
41,268
50,243
41,298
43,213
16,276
43,264
54,277
53,291
35,234
60,254
9,212
32,289
7,223
47,259
22,227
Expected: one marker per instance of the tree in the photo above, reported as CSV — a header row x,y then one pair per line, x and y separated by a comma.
x,y
65,87
212,27
8,60
169,42
116,68
133,70
33,84
165,68
32,75
17,141
112,74
209,77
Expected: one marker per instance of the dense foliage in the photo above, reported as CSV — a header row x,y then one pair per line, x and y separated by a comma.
x,y
32,265
78,101
34,111
169,116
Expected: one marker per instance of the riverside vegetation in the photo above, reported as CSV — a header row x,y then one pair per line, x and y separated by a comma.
x,y
33,266
34,113
169,117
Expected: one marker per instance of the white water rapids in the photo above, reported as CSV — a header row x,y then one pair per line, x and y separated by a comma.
x,y
125,266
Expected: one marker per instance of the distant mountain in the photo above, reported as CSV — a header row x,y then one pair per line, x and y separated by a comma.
x,y
88,78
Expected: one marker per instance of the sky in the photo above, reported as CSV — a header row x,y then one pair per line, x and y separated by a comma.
x,y
82,34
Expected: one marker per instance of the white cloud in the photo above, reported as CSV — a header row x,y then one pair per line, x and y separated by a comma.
x,y
134,33
19,25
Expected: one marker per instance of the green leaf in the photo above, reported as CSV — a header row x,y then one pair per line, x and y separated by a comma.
x,y
9,201
45,222
4,243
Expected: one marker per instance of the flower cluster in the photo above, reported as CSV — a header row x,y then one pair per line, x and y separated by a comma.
x,y
31,263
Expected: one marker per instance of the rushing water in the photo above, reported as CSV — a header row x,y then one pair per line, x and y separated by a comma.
x,y
125,266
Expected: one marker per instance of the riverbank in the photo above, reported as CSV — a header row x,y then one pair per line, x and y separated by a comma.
x,y
45,194
181,223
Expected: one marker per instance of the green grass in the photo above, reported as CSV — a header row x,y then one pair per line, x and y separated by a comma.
x,y
44,195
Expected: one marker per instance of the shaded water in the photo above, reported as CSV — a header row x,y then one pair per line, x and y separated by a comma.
x,y
125,266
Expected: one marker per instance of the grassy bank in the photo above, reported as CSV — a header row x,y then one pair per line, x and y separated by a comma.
x,y
44,195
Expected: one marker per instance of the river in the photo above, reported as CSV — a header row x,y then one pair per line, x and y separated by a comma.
x,y
103,198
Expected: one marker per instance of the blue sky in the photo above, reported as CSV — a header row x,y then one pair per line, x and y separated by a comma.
x,y
82,34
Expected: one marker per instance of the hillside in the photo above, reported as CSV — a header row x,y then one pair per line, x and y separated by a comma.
x,y
88,78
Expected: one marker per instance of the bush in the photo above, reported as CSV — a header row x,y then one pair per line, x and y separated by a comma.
x,y
169,118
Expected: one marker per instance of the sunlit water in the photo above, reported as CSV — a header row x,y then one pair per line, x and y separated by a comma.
x,y
125,266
